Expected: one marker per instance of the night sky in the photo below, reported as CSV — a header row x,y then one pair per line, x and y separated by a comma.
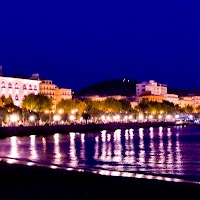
x,y
79,42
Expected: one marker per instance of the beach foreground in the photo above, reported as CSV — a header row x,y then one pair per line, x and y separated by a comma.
x,y
31,182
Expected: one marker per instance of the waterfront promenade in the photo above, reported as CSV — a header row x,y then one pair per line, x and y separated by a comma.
x,y
46,130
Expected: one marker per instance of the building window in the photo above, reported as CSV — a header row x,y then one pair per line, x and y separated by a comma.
x,y
35,87
16,97
16,86
3,84
30,87
24,86
9,85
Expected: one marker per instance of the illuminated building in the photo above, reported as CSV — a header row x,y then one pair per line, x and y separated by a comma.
x,y
151,86
196,101
173,98
17,88
184,101
63,93
152,98
49,89
53,92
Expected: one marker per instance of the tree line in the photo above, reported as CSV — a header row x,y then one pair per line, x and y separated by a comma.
x,y
151,107
41,107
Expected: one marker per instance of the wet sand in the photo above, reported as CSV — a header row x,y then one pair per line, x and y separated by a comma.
x,y
31,182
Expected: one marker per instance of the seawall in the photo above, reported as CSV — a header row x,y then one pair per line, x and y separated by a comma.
x,y
47,130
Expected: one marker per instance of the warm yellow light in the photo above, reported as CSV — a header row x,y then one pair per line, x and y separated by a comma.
x,y
60,111
151,117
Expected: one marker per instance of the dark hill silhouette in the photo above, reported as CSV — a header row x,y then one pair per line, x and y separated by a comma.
x,y
185,92
124,87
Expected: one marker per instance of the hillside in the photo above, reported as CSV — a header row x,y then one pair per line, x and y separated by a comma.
x,y
110,87
124,88
184,92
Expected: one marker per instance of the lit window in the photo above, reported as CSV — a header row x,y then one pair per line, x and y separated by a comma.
x,y
24,86
16,97
30,87
16,86
9,85
35,87
3,84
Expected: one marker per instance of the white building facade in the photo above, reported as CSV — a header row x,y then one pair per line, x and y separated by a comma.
x,y
17,88
173,98
151,86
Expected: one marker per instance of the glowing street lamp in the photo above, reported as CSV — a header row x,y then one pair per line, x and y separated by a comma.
x,y
60,111
141,117
151,117
176,116
13,118
74,111
160,116
103,117
168,117
56,118
32,118
130,117
72,117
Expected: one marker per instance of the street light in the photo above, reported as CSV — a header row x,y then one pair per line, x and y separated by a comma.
x,y
141,117
168,117
151,117
72,117
32,118
176,116
13,118
103,117
56,118
60,111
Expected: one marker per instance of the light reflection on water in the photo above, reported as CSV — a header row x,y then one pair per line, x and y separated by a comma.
x,y
168,151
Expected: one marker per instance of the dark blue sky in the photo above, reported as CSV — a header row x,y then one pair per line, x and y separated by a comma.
x,y
79,42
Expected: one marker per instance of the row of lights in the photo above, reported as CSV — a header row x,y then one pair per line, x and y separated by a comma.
x,y
14,118
116,117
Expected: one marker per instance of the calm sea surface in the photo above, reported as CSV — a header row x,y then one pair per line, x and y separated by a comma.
x,y
165,151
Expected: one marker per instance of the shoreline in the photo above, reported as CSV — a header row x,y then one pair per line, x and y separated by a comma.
x,y
47,130
33,182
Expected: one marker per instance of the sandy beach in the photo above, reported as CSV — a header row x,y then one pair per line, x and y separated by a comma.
x,y
31,182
